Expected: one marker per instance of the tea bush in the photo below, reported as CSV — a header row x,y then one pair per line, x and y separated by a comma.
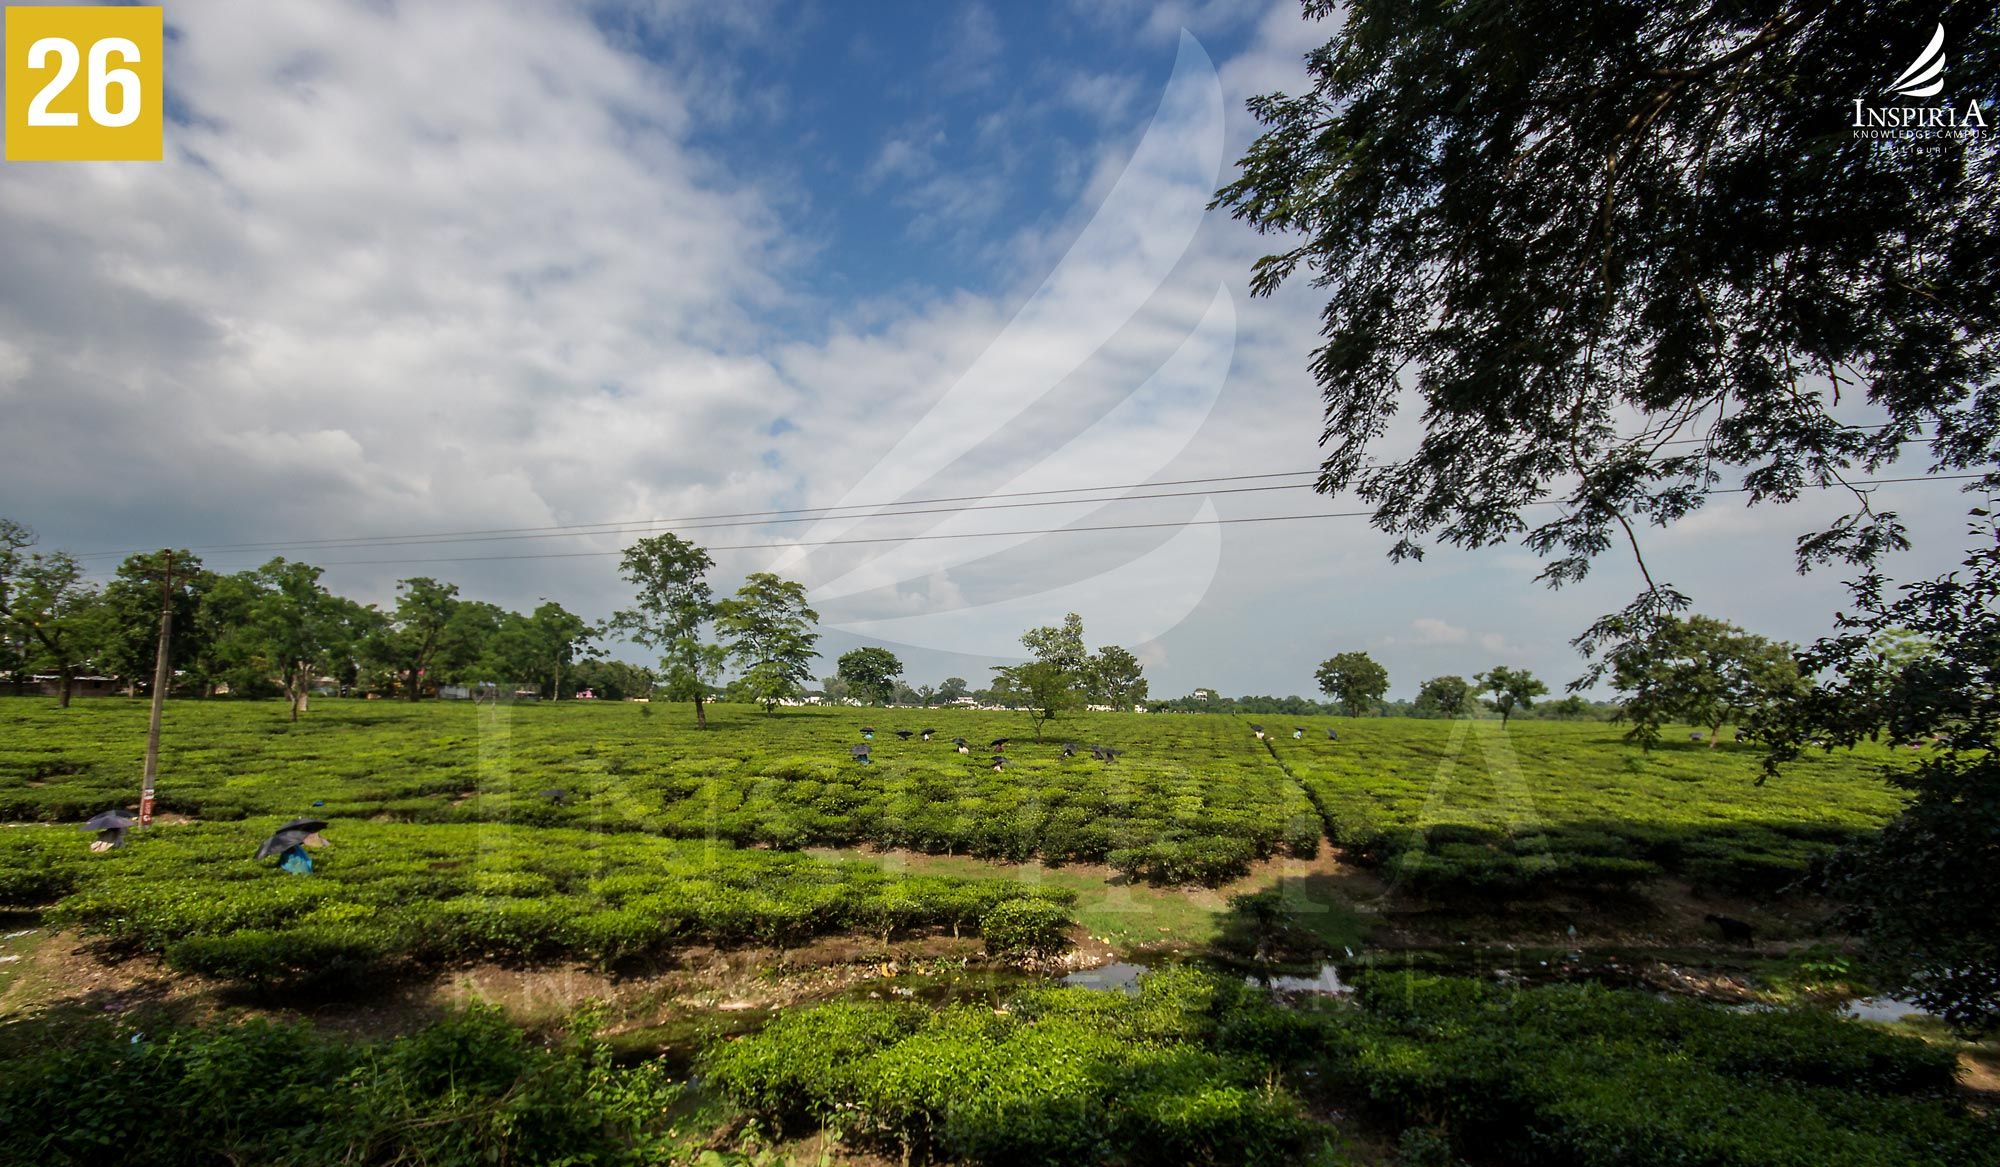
x,y
1060,1077
468,1089
1031,931
1584,1075
389,893
1465,809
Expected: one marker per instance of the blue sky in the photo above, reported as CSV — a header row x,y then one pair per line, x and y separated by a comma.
x,y
462,265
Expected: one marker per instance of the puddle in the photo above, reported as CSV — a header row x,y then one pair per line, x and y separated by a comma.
x,y
1327,980
1116,975
1881,1009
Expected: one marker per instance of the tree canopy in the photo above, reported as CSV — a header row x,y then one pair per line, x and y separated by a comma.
x,y
1511,688
673,606
768,629
870,673
1354,679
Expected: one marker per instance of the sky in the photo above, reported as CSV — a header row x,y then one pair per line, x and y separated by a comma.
x,y
422,269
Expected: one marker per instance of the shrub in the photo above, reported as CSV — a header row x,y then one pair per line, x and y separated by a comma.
x,y
1032,931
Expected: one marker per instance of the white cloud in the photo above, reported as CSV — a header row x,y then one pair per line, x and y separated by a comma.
x,y
1431,630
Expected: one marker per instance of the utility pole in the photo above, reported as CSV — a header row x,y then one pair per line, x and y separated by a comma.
x,y
161,675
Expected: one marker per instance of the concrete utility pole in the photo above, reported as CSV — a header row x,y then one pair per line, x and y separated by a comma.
x,y
161,675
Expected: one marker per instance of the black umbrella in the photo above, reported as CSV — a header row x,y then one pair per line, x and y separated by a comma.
x,y
904,734
927,733
1069,749
291,835
111,820
557,795
999,743
1332,736
999,760
860,753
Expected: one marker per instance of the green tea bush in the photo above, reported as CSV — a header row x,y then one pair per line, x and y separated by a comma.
x,y
1024,930
469,1089
1582,1075
1060,1077
387,894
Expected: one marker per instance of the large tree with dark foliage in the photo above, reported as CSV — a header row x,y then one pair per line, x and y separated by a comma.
x,y
1625,256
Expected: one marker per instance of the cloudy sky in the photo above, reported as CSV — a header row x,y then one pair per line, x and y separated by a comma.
x,y
474,270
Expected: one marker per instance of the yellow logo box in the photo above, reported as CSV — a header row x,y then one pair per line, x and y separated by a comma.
x,y
83,84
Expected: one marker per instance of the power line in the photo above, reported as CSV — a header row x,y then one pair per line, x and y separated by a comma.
x,y
1046,530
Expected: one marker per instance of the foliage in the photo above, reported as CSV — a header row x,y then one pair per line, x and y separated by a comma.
x,y
1044,689
1460,810
1354,679
871,673
53,614
1581,1074
1446,696
1511,688
468,1089
1060,1076
672,607
1923,888
1031,931
385,896
769,631
1697,670
1116,678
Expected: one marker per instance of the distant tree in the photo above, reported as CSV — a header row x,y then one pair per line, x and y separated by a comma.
x,y
15,539
927,695
556,638
57,615
293,628
1511,689
1446,696
952,689
1354,679
1060,645
132,615
1570,708
613,680
1700,671
1116,678
416,634
836,690
672,608
1041,687
870,673
769,630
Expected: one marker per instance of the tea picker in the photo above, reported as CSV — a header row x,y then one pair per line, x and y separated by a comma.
x,y
110,827
927,733
959,742
861,754
1298,731
905,733
556,796
868,733
1259,731
289,844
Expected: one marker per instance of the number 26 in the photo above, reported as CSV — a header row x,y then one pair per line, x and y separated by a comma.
x,y
99,80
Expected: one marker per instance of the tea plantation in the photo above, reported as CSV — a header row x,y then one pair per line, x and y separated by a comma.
x,y
1450,807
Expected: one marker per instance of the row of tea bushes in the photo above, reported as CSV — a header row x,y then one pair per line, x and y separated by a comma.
x,y
1469,809
468,1089
388,893
1189,799
1200,1069
1585,1075
1058,1077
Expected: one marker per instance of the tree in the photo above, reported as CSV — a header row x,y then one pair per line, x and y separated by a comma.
x,y
1116,678
57,614
1511,688
1700,671
870,673
289,625
927,695
132,614
1041,687
1446,696
1615,251
15,539
1354,679
416,632
1922,890
769,630
1060,645
673,605
952,689
835,690
614,680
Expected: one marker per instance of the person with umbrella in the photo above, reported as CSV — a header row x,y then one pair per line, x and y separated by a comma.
x,y
289,844
110,827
